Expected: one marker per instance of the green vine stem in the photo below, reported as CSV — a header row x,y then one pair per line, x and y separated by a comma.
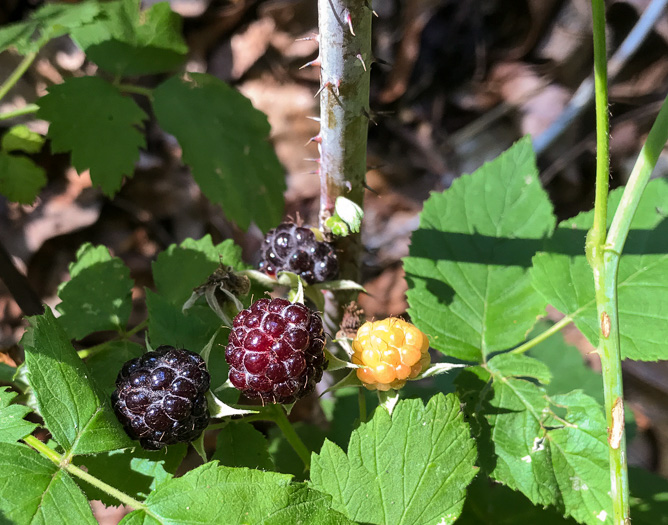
x,y
62,462
25,110
17,73
345,60
281,419
605,284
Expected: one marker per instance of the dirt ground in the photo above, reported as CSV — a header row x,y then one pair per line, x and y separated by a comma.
x,y
455,84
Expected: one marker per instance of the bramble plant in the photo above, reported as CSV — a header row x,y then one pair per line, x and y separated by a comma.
x,y
507,425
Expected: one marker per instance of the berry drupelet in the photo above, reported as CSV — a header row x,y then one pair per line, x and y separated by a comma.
x,y
295,249
275,351
160,397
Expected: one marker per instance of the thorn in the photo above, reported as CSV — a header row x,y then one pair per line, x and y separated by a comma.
x,y
313,63
317,139
359,57
381,61
317,119
326,84
365,185
368,6
314,36
349,21
348,185
366,114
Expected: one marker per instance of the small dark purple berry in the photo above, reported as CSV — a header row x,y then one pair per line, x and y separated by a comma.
x,y
159,397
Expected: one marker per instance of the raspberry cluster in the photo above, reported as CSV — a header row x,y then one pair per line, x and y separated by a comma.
x,y
390,352
275,351
295,249
159,397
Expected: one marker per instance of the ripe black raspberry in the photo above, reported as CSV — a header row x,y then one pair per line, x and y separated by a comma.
x,y
275,351
159,397
295,249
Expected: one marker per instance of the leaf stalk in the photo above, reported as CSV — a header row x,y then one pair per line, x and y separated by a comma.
x,y
542,336
62,463
17,73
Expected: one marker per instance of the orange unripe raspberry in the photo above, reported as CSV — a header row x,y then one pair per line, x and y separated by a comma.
x,y
390,352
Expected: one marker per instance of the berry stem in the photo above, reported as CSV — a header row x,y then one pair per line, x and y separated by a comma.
x,y
281,419
61,462
361,400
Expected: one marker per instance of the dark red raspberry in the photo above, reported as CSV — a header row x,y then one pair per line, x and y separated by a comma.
x,y
295,249
159,397
275,351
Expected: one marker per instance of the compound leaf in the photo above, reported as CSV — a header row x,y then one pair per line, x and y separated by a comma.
x,y
215,494
563,276
49,21
108,359
99,126
125,41
20,138
552,449
136,471
225,142
239,444
488,502
193,261
12,425
34,491
20,178
67,399
408,468
169,325
99,294
469,287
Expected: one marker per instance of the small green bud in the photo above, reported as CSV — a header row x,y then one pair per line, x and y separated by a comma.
x,y
350,213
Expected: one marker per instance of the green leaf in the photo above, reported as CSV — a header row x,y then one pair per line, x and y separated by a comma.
x,y
69,403
20,138
99,294
224,141
215,494
527,442
469,288
137,472
284,457
563,276
49,21
193,261
168,325
649,498
240,445
20,178
104,137
491,503
107,361
569,371
412,467
34,491
12,425
127,42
